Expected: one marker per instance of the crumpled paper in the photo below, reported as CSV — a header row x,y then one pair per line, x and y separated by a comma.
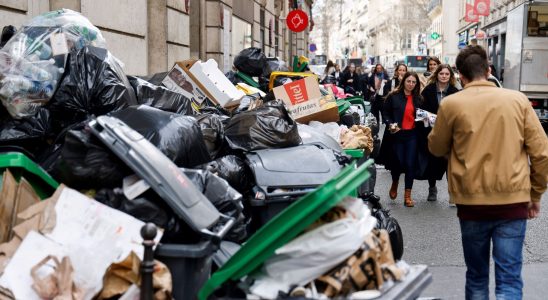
x,y
357,137
120,276
428,118
58,285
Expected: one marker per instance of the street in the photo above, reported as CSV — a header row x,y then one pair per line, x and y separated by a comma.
x,y
431,236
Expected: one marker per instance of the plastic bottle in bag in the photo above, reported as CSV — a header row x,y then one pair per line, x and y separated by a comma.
x,y
39,48
6,62
34,72
32,87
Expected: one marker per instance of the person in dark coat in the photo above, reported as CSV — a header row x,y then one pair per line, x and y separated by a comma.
x,y
442,83
376,83
386,153
393,83
399,117
350,80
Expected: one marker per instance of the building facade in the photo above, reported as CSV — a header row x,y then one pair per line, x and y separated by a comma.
x,y
491,29
148,36
397,28
442,35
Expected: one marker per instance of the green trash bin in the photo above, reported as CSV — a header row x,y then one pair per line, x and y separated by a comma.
x,y
22,166
286,226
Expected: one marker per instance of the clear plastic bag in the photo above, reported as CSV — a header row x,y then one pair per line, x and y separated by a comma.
x,y
33,60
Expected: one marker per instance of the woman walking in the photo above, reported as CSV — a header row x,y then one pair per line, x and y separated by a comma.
x,y
376,83
399,117
431,66
328,71
442,83
393,84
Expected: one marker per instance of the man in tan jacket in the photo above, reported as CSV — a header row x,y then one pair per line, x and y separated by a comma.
x,y
497,173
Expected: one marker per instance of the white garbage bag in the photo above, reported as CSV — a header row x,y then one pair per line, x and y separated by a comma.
x,y
314,253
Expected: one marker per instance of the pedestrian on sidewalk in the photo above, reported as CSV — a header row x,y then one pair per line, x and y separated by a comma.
x,y
350,80
376,83
441,84
386,153
399,117
431,65
393,83
498,171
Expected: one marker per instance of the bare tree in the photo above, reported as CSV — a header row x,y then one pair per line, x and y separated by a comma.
x,y
408,17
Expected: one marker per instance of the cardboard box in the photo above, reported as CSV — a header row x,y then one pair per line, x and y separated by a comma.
x,y
179,80
14,199
201,81
305,102
215,83
69,223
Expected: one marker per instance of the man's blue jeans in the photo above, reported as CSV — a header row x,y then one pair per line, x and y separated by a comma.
x,y
507,237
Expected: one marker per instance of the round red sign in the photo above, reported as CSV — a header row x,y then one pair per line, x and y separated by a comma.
x,y
297,20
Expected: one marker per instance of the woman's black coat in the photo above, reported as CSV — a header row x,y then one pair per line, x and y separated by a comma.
x,y
436,166
393,110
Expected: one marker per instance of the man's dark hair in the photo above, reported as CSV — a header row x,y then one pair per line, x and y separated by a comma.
x,y
472,62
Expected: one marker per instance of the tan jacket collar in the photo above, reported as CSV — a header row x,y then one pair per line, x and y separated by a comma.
x,y
479,83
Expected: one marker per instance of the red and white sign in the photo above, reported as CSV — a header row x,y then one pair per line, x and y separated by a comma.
x,y
482,7
297,20
296,91
470,15
481,35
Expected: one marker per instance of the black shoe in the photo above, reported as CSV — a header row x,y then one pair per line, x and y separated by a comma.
x,y
432,194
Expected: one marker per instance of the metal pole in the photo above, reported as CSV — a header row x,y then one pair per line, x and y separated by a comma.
x,y
148,232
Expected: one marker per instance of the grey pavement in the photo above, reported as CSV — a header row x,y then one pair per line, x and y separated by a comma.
x,y
431,236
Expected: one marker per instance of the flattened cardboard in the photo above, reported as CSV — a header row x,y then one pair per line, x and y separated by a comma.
x,y
7,204
26,197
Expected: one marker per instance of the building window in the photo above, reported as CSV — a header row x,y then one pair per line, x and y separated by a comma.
x,y
241,35
407,41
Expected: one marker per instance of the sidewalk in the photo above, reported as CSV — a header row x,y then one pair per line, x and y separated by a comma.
x,y
448,282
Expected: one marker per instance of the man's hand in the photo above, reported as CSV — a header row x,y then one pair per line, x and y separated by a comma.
x,y
350,80
534,209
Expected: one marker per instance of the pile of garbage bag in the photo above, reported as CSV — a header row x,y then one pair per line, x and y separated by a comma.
x,y
34,59
58,79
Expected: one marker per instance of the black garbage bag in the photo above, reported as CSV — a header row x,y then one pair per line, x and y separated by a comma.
x,y
144,207
178,137
274,65
385,221
37,126
234,170
231,75
30,133
149,207
246,102
7,32
93,84
160,97
155,79
213,132
86,163
251,61
267,127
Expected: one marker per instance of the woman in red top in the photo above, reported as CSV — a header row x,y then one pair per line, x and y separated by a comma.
x,y
399,116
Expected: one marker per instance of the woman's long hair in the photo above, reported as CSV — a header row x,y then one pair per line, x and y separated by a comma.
x,y
416,90
329,65
396,70
434,77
